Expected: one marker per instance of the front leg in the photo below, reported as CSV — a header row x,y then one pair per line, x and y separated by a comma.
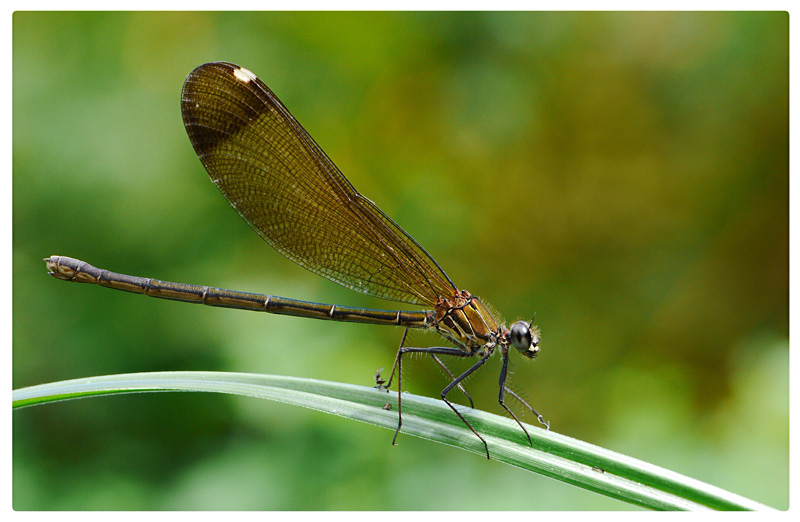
x,y
501,398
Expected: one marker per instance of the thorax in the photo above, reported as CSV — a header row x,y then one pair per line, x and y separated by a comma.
x,y
466,321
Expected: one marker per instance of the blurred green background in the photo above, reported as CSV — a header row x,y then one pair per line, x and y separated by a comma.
x,y
624,176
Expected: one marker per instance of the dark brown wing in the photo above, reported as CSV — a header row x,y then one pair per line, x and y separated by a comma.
x,y
282,183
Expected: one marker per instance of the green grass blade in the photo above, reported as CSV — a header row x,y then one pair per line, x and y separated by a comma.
x,y
554,455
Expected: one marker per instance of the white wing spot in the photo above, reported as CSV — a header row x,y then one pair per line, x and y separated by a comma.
x,y
243,75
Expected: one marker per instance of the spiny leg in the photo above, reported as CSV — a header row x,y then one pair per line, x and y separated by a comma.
x,y
452,378
455,383
501,397
384,385
539,417
440,350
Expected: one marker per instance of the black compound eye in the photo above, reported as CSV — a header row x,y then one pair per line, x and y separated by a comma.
x,y
520,335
